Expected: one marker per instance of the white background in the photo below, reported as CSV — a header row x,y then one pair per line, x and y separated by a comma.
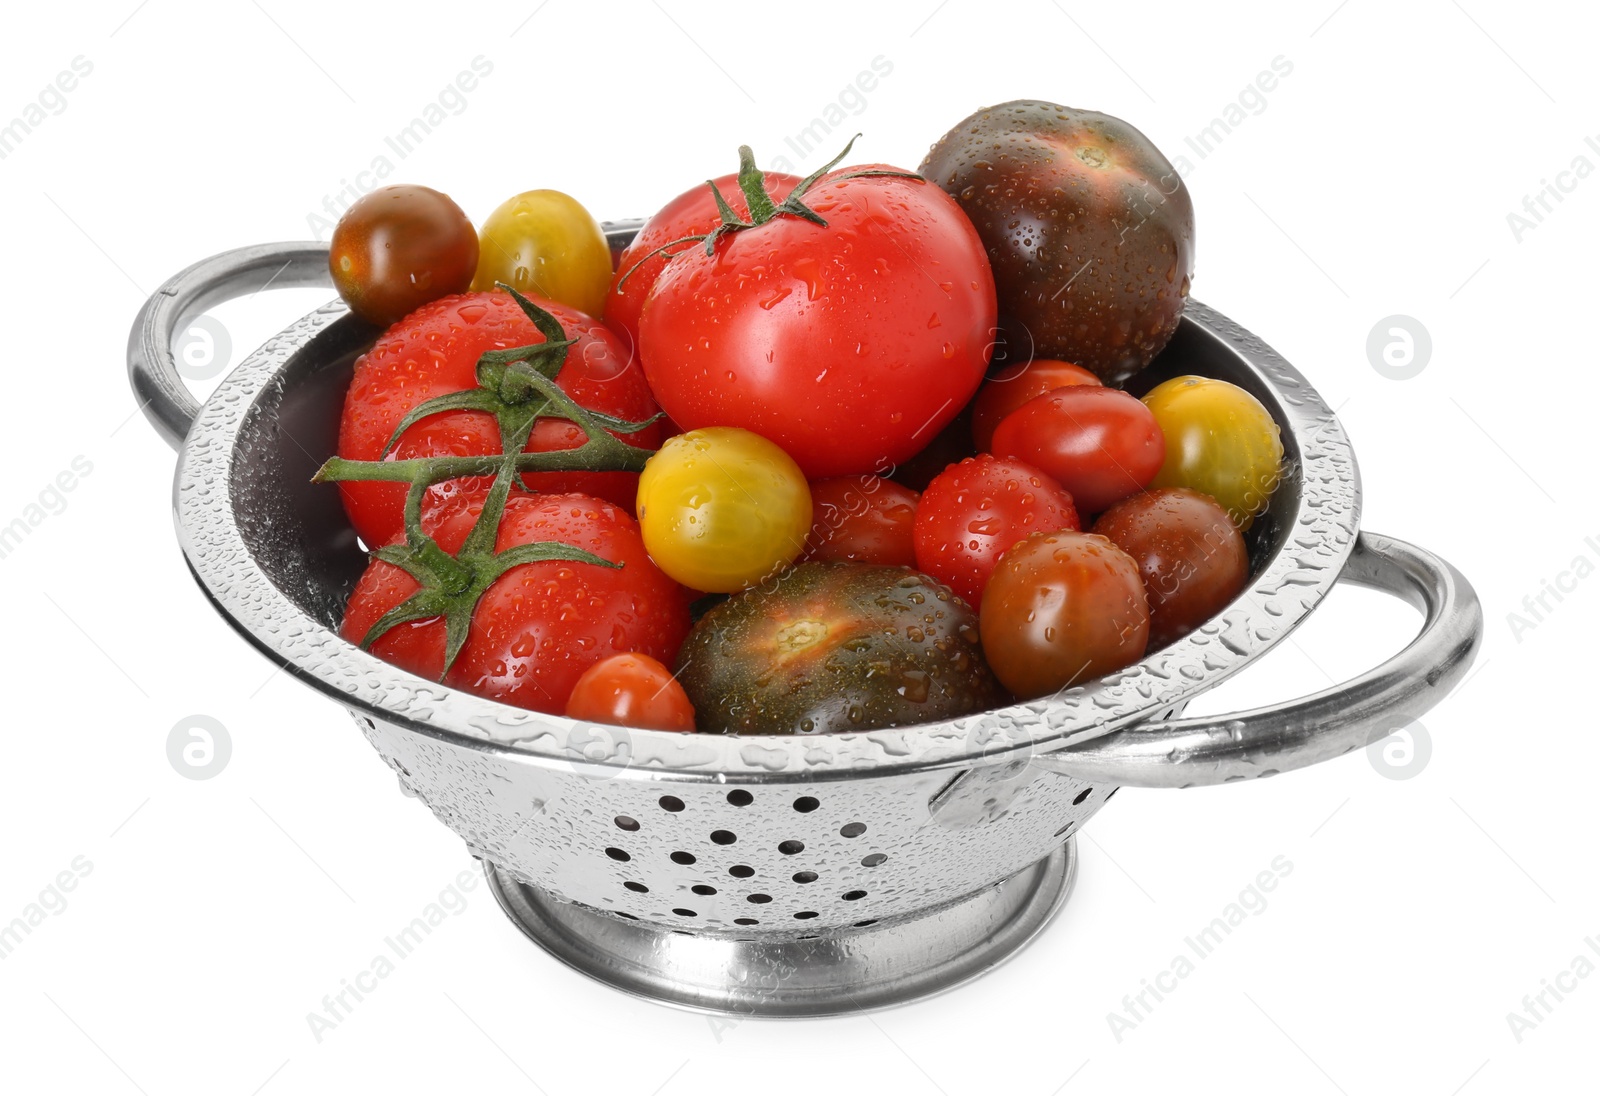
x,y
1376,181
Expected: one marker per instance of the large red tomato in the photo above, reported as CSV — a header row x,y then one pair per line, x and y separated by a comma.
x,y
540,625
850,344
692,213
434,351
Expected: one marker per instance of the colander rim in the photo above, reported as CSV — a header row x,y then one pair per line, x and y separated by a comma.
x,y
1281,595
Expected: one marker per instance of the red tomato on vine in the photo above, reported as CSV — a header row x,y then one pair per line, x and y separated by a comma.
x,y
848,323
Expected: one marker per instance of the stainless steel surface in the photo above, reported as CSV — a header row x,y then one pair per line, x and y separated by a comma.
x,y
1182,753
864,966
768,838
151,370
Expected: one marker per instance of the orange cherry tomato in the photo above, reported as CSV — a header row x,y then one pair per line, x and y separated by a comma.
x,y
1060,610
631,690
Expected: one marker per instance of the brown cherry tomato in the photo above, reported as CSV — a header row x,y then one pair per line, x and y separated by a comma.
x,y
1100,443
862,518
1189,551
631,690
1060,610
398,248
1014,386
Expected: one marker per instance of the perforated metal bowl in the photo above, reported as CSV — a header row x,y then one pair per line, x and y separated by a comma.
x,y
773,875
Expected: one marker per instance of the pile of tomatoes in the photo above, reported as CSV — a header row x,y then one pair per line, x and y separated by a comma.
x,y
761,472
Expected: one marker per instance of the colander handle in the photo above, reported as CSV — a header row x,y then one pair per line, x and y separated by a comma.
x,y
1184,753
152,370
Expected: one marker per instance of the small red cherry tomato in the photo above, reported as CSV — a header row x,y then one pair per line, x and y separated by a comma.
x,y
1189,551
1101,443
1014,386
973,511
1061,610
862,518
631,690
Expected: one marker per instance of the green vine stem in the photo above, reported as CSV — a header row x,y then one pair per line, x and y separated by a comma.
x,y
518,387
762,207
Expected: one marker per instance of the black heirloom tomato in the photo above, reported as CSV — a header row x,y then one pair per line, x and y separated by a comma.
x,y
1088,227
836,647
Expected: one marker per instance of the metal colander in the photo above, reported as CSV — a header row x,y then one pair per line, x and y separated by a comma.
x,y
774,875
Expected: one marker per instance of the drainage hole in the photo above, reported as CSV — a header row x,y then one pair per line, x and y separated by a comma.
x,y
617,854
805,877
745,921
723,837
873,859
637,888
681,912
683,858
789,848
625,823
853,829
805,915
1082,796
741,871
740,798
759,899
806,804
853,896
703,890
671,803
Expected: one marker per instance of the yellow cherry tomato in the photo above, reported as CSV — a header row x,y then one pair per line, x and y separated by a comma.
x,y
722,508
1220,441
544,243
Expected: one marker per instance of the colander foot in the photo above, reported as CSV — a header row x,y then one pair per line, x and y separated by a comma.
x,y
839,971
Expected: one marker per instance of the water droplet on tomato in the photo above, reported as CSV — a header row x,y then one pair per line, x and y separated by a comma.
x,y
808,272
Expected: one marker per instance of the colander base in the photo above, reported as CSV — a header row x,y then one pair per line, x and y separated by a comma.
x,y
850,970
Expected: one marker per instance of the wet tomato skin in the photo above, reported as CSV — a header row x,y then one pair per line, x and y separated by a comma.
x,y
692,213
398,248
722,509
1015,385
862,519
1190,553
631,690
435,351
1063,609
1100,443
849,345
974,511
1089,228
835,647
544,243
1221,441
539,627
